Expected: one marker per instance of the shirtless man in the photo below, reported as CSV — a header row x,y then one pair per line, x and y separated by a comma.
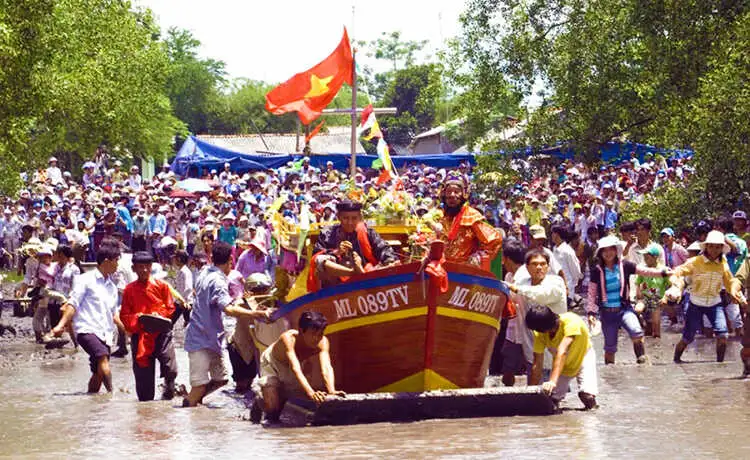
x,y
281,374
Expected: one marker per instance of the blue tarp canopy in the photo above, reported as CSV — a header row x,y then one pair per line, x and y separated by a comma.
x,y
197,156
617,151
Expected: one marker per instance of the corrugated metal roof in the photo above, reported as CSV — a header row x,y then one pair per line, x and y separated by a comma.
x,y
336,140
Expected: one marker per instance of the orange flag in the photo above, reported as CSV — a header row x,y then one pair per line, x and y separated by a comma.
x,y
309,92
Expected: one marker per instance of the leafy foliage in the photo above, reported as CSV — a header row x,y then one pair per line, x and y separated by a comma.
x,y
193,84
76,74
612,67
414,92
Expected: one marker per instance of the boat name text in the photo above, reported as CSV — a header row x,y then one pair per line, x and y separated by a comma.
x,y
479,301
370,304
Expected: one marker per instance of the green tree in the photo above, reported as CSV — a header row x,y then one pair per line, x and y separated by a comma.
x,y
415,92
716,122
612,68
75,74
241,110
482,95
390,47
193,84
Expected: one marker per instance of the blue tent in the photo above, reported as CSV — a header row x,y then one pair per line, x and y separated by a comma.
x,y
616,151
197,156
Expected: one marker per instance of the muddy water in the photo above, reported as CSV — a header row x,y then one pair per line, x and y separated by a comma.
x,y
698,409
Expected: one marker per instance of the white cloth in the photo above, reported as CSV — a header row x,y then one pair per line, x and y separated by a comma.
x,y
64,278
135,181
54,175
586,378
95,299
184,284
568,261
637,258
517,332
550,293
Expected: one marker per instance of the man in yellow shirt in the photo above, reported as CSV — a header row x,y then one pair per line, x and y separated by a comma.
x,y
709,272
567,338
533,212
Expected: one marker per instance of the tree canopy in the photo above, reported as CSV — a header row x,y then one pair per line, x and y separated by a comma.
x,y
76,74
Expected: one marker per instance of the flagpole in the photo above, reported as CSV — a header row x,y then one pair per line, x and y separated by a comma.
x,y
354,115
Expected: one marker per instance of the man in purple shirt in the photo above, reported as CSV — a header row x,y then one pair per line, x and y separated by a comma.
x,y
254,259
204,338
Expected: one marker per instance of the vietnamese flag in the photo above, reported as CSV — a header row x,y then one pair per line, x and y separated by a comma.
x,y
309,92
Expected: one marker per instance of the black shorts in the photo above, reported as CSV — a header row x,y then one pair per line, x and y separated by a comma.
x,y
240,369
514,360
95,347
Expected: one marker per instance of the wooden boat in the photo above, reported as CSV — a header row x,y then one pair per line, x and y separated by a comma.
x,y
393,330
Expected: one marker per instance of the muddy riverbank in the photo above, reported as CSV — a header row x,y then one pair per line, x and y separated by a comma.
x,y
697,409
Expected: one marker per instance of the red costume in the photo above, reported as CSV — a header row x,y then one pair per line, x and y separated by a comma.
x,y
470,239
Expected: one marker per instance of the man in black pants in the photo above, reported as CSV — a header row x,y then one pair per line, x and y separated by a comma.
x,y
149,296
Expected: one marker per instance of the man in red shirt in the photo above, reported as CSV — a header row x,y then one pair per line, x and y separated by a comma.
x,y
149,296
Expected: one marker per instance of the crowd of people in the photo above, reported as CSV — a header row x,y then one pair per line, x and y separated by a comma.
x,y
564,247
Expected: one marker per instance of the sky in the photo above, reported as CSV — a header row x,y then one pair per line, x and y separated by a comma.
x,y
271,40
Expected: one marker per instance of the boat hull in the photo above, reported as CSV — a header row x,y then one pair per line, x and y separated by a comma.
x,y
393,331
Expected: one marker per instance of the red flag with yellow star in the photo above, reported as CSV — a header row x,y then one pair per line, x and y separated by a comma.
x,y
309,92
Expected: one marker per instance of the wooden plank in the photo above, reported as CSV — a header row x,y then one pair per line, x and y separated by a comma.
x,y
402,407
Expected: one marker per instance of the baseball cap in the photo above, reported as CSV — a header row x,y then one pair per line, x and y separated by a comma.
x,y
537,232
739,215
651,250
666,230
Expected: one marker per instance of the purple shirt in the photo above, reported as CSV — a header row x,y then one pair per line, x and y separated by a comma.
x,y
676,256
248,264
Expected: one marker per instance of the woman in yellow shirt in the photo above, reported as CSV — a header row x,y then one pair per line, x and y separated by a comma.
x,y
709,272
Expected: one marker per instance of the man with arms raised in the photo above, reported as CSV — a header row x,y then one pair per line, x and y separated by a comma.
x,y
469,238
281,374
346,249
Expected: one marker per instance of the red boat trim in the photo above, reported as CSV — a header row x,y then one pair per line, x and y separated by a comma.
x,y
429,342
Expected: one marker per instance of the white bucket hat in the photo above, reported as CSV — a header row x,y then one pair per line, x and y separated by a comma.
x,y
715,237
608,242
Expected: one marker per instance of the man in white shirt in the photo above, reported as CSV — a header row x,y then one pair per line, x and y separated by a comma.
x,y
65,273
92,307
538,241
566,258
518,348
541,288
642,242
183,285
134,179
54,175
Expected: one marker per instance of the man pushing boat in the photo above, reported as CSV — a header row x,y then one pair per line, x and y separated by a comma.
x,y
346,249
281,374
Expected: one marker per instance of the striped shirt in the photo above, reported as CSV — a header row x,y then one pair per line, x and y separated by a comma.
x,y
707,279
612,278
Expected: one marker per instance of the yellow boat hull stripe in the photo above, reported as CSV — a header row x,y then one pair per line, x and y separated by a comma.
x,y
421,381
469,316
381,318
